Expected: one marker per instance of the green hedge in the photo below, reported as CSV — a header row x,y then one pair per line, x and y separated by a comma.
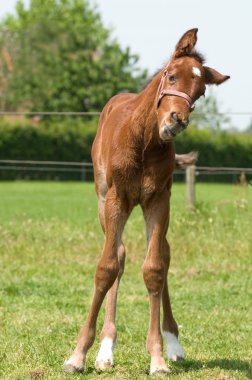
x,y
217,148
56,141
72,141
47,141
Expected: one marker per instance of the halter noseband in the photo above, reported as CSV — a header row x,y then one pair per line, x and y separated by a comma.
x,y
162,91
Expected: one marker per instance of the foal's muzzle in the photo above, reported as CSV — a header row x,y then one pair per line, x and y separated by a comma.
x,y
167,132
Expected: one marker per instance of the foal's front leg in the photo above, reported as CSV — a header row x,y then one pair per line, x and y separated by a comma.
x,y
106,272
105,357
170,327
156,214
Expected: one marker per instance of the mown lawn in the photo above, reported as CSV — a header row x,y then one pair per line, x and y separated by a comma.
x,y
50,241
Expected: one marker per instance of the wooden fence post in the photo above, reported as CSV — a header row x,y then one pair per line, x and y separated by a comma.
x,y
190,186
83,172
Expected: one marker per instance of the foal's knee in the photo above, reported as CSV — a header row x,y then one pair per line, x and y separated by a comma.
x,y
154,275
106,273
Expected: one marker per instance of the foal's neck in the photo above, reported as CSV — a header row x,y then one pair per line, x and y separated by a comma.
x,y
149,94
145,116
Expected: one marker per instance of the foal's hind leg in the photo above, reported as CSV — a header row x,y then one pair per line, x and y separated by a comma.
x,y
170,327
115,216
156,214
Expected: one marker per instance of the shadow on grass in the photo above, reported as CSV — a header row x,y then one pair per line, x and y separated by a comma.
x,y
189,365
225,364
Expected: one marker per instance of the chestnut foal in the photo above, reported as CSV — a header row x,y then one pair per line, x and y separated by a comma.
x,y
134,158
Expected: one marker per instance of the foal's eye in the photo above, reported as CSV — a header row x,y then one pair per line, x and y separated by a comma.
x,y
171,78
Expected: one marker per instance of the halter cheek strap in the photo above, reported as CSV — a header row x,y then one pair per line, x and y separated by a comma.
x,y
162,91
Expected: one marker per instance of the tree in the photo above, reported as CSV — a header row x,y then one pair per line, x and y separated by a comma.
x,y
207,114
249,128
63,58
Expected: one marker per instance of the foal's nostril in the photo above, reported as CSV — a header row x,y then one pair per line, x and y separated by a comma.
x,y
184,122
174,116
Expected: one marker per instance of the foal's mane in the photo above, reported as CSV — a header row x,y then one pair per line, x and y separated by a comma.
x,y
197,56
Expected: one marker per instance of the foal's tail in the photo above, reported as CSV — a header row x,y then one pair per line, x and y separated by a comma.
x,y
184,160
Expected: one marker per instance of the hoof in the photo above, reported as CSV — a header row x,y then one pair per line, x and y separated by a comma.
x,y
160,371
73,365
102,365
104,359
174,350
158,367
176,358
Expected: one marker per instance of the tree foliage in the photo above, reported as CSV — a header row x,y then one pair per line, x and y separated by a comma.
x,y
207,114
58,56
249,128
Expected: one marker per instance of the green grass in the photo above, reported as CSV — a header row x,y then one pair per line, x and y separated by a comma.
x,y
50,241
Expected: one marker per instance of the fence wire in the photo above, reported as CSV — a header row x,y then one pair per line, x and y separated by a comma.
x,y
83,171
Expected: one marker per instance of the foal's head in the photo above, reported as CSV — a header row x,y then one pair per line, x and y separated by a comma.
x,y
183,81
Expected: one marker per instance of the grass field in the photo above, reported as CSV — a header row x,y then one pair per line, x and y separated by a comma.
x,y
50,241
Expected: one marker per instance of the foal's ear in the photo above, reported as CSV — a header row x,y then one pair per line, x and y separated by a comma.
x,y
186,43
214,77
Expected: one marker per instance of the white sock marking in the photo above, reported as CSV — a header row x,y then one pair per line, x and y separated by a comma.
x,y
196,71
105,354
174,350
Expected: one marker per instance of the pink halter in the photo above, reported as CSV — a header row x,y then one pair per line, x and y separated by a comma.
x,y
162,91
